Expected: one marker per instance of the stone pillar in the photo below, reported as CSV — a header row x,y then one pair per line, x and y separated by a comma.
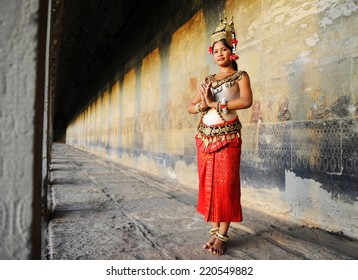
x,y
22,37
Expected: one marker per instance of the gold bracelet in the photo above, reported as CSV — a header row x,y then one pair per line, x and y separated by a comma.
x,y
197,107
218,107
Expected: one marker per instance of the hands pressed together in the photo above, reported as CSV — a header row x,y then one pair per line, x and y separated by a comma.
x,y
204,98
207,98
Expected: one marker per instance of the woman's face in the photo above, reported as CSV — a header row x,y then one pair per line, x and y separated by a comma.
x,y
221,54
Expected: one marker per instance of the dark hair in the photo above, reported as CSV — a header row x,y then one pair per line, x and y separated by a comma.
x,y
234,64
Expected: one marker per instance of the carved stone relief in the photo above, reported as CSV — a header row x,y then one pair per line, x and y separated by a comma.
x,y
319,108
256,115
284,114
15,224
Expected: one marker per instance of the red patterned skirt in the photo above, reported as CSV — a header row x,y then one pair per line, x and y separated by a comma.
x,y
219,177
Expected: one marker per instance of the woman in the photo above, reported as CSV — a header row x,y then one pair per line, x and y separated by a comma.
x,y
218,139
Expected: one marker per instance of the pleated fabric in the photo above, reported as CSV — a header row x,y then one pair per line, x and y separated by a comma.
x,y
219,197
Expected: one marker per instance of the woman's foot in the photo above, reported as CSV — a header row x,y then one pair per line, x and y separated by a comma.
x,y
213,233
210,243
218,248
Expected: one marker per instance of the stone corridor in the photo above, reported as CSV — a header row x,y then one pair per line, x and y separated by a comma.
x,y
102,210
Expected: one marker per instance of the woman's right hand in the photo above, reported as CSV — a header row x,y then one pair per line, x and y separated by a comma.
x,y
203,93
208,96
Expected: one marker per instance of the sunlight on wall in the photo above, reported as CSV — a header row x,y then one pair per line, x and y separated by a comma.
x,y
302,62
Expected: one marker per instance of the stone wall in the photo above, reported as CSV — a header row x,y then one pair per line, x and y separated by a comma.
x,y
21,94
300,137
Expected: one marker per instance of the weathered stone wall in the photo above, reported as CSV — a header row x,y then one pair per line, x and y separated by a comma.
x,y
20,166
300,137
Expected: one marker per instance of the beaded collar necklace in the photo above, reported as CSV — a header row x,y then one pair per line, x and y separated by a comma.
x,y
230,78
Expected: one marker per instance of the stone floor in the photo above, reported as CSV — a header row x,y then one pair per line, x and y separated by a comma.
x,y
101,210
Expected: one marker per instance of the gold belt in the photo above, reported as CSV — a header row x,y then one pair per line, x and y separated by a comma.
x,y
212,131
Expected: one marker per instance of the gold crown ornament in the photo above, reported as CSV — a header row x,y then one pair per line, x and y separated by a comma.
x,y
225,31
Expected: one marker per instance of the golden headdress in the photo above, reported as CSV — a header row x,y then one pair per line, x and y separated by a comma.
x,y
225,31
